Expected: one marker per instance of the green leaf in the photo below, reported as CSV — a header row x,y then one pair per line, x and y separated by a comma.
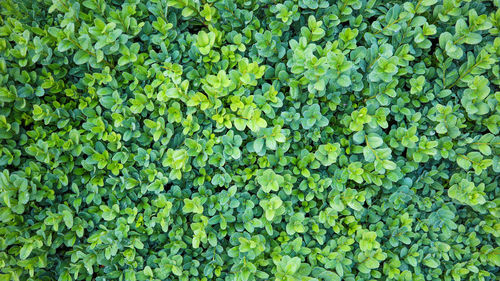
x,y
431,262
68,219
463,162
25,251
371,263
148,271
258,144
292,265
374,140
81,57
428,2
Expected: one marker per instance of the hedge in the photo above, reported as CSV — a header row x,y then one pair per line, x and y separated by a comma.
x,y
243,140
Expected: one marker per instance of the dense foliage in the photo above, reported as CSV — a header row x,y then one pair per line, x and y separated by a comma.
x,y
249,140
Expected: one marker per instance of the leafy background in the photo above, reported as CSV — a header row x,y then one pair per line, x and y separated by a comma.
x,y
249,140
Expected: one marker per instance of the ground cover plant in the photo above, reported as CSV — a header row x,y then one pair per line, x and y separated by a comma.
x,y
249,140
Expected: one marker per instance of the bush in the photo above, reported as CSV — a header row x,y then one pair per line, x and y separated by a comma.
x,y
249,140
